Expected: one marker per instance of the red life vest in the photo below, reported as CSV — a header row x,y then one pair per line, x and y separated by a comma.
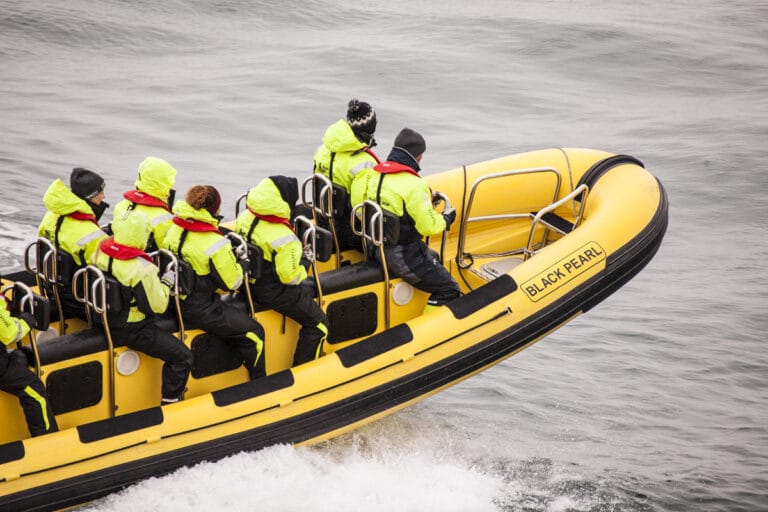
x,y
390,167
122,252
138,197
195,225
83,216
271,218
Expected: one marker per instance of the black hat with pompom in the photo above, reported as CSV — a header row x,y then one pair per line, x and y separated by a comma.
x,y
362,119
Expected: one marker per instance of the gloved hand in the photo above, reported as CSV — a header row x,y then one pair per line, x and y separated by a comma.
x,y
29,318
169,279
449,216
307,253
241,252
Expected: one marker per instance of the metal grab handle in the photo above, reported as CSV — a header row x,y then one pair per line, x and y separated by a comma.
x,y
97,299
581,189
325,208
173,266
237,204
308,241
29,299
46,283
464,259
374,232
246,272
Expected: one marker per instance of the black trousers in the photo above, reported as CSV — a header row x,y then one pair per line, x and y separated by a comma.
x,y
420,266
17,379
238,328
148,338
297,303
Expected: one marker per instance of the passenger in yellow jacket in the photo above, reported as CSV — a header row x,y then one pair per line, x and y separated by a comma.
x,y
345,151
398,188
16,377
72,223
122,256
152,196
195,238
266,224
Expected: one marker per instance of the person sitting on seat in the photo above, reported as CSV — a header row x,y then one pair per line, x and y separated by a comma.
x,y
152,196
195,238
266,224
72,223
345,151
404,194
17,379
122,256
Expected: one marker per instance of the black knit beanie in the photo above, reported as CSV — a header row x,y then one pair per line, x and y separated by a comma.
x,y
85,184
411,141
362,119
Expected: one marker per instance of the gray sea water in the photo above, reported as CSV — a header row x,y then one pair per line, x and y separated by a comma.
x,y
656,400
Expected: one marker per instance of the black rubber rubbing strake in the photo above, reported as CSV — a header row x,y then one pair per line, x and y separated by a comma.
x,y
481,297
120,425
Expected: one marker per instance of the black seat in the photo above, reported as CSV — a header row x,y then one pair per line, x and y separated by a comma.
x,y
350,276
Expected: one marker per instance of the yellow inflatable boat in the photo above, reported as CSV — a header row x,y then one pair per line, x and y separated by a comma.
x,y
541,237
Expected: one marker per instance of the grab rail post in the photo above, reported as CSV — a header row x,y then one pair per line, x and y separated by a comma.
x,y
44,281
310,251
582,190
373,232
172,266
325,208
246,272
28,298
465,260
95,296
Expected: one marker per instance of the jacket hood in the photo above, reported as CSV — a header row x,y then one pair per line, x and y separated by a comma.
x,y
62,201
185,211
156,177
132,229
266,199
339,138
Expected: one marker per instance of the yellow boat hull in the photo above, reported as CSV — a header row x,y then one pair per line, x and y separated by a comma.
x,y
551,277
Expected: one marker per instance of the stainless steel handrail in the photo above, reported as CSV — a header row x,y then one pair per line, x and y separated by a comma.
x,y
308,239
537,219
28,299
95,297
172,266
325,208
44,281
465,260
373,232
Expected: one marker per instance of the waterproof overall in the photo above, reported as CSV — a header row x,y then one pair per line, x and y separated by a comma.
x,y
17,379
